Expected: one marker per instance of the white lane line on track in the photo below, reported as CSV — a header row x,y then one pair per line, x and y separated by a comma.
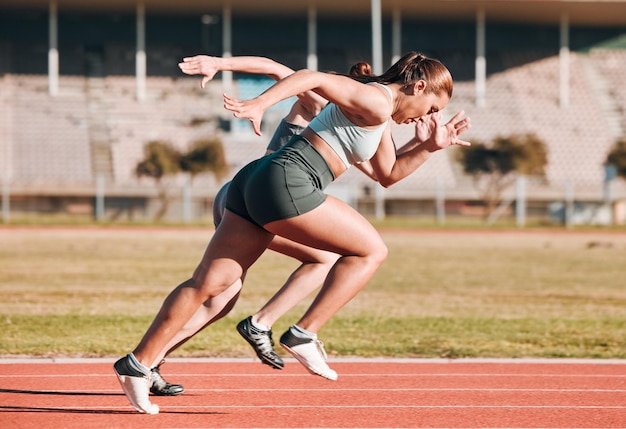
x,y
173,374
337,389
417,390
601,407
337,360
165,409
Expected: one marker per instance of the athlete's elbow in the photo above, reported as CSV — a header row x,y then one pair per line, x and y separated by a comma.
x,y
305,72
313,78
386,182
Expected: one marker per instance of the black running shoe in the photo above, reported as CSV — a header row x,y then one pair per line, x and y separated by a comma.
x,y
160,387
262,343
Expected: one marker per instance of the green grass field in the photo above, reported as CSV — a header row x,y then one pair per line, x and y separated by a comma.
x,y
92,291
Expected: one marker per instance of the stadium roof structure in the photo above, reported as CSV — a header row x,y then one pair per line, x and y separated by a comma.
x,y
579,12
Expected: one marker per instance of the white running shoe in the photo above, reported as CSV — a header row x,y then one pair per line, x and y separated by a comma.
x,y
309,352
136,387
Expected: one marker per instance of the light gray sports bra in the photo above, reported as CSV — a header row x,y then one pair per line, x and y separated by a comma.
x,y
353,144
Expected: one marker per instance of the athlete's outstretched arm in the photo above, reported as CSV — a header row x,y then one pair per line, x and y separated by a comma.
x,y
309,103
372,104
209,66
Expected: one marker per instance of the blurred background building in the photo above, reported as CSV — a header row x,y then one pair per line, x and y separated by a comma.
x,y
84,85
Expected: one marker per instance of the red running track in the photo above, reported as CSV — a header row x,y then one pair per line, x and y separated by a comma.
x,y
368,394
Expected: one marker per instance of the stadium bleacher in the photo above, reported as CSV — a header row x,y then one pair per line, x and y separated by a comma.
x,y
51,142
95,128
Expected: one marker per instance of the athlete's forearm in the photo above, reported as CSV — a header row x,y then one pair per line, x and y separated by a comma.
x,y
404,164
255,65
294,84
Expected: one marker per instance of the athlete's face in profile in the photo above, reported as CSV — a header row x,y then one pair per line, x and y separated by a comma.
x,y
418,105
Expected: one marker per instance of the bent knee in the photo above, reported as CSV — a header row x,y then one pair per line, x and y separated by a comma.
x,y
376,253
379,254
208,287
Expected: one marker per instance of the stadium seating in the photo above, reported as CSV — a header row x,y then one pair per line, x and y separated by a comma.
x,y
96,127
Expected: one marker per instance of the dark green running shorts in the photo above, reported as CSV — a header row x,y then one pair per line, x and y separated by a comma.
x,y
284,184
219,204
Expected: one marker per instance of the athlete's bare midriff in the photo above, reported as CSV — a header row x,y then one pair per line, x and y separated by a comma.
x,y
330,156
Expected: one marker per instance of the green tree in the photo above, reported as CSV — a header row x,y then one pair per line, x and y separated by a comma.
x,y
494,167
205,156
161,159
617,157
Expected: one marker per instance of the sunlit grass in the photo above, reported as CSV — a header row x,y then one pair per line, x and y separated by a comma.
x,y
92,291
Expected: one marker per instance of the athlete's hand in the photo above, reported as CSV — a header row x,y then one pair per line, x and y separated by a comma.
x,y
201,64
447,135
425,126
245,109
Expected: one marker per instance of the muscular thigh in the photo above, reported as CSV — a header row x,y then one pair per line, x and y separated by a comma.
x,y
333,226
301,252
234,247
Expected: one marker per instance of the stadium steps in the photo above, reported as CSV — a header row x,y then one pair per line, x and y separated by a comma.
x,y
610,63
6,128
601,87
98,129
